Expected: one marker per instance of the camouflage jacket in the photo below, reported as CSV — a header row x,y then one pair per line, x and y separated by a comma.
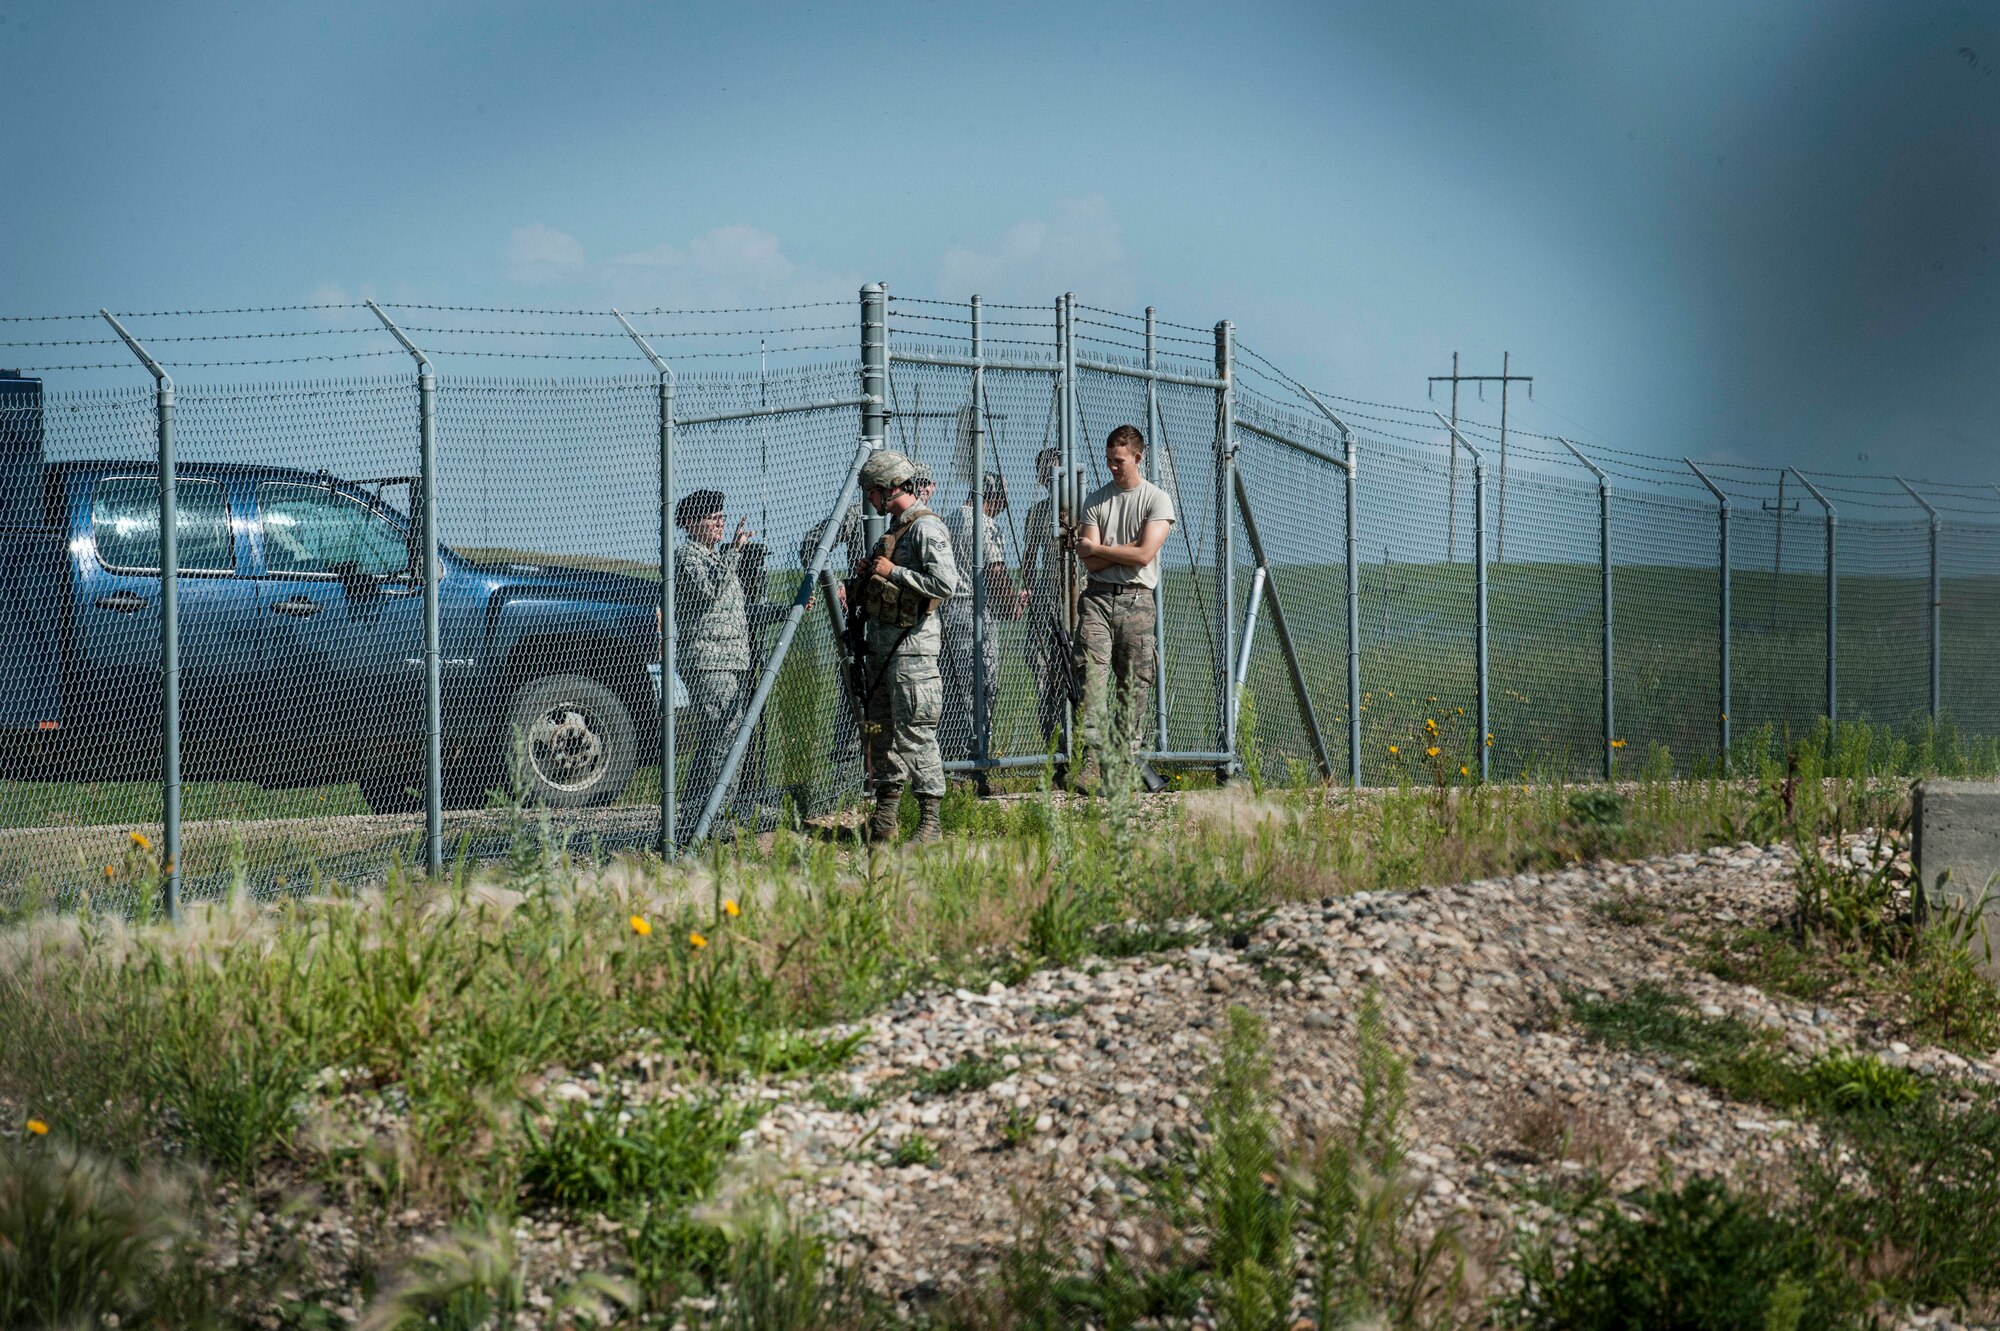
x,y
710,621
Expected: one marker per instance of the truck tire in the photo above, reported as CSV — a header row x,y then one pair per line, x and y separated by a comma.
x,y
578,742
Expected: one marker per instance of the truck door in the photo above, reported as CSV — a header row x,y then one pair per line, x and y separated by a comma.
x,y
118,614
341,620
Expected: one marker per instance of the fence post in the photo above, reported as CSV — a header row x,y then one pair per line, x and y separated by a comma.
x,y
874,363
1157,436
1225,450
1072,485
170,629
1485,739
981,740
1832,605
1604,564
669,638
1722,628
1349,454
1936,599
433,654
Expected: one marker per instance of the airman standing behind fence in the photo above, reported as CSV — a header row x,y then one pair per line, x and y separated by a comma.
x,y
999,597
903,581
1124,525
1042,554
712,625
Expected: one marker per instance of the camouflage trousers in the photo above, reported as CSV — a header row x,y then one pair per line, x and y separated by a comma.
x,y
716,702
903,712
1114,641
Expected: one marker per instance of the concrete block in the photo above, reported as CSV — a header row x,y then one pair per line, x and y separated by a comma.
x,y
1956,838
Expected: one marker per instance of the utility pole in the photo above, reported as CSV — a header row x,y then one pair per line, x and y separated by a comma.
x,y
1778,543
1505,378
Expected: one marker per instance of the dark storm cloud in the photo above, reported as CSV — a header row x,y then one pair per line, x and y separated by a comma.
x,y
1802,196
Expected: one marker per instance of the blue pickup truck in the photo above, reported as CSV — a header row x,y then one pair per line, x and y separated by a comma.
x,y
301,636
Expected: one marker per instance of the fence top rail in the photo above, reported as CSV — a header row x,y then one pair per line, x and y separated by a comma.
x,y
1159,376
1266,432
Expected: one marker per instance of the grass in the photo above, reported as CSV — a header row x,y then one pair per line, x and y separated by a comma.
x,y
397,1048
1901,1194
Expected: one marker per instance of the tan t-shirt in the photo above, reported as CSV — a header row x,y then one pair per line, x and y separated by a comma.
x,y
1120,516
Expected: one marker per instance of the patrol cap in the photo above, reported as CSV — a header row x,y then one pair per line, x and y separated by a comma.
x,y
886,469
696,505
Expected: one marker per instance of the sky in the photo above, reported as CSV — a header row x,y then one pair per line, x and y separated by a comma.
x,y
1761,230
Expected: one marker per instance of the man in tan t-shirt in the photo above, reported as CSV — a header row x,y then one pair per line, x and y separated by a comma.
x,y
1118,542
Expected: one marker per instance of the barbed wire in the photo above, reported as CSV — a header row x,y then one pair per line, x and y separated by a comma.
x,y
245,309
605,313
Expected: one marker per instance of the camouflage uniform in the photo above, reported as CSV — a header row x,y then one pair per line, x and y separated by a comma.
x,y
1114,638
907,693
713,657
1041,568
960,726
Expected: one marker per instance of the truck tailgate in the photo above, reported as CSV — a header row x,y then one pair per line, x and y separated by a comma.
x,y
31,619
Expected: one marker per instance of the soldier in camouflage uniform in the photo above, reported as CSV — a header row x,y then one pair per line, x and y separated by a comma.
x,y
901,583
713,649
961,726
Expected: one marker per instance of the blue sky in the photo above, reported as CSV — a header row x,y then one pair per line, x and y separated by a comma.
x,y
1752,230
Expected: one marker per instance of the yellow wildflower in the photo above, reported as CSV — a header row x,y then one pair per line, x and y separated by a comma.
x,y
1617,743
730,909
697,940
1463,770
1394,749
39,1128
1431,752
139,840
1459,710
640,925
108,871
1430,725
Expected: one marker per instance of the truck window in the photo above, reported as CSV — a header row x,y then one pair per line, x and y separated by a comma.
x,y
125,523
311,529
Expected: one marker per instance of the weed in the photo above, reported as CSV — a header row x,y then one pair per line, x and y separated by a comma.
x,y
975,1073
914,1149
1908,1191
595,1156
1698,1256
1366,1259
1015,1128
82,1239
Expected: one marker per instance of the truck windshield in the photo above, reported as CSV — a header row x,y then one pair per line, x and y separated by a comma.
x,y
311,529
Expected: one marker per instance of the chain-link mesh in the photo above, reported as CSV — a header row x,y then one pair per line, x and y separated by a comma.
x,y
780,478
1884,629
1665,620
1969,569
1418,640
302,653
1298,505
1777,616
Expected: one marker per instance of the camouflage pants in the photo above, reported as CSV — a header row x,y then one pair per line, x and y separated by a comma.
x,y
1114,639
959,727
716,701
903,712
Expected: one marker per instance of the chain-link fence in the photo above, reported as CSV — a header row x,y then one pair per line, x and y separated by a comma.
x,y
1361,590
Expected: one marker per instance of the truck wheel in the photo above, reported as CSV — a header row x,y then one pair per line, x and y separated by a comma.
x,y
578,741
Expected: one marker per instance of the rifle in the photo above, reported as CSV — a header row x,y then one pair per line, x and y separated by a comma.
x,y
853,638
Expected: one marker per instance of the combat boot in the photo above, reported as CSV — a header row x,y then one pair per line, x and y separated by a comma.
x,y
929,827
888,804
